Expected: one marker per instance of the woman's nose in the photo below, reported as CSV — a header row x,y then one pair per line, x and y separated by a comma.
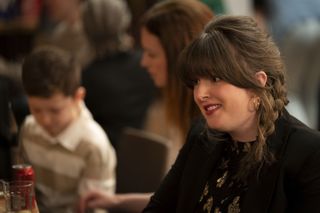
x,y
201,91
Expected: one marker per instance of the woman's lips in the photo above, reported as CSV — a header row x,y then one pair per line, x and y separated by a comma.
x,y
210,109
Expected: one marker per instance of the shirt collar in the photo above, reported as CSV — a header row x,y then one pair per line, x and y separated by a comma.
x,y
70,137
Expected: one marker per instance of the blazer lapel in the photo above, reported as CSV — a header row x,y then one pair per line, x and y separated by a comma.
x,y
261,190
259,195
203,157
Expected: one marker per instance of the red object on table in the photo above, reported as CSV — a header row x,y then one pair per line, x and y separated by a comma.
x,y
23,172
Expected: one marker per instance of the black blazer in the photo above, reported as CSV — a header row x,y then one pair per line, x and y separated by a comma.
x,y
291,184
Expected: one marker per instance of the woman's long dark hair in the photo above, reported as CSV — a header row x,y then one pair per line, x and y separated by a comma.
x,y
176,23
234,48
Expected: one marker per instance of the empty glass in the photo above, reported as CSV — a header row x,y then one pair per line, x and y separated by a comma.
x,y
4,196
17,197
21,196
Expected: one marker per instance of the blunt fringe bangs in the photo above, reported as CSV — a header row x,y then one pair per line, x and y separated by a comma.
x,y
234,49
211,56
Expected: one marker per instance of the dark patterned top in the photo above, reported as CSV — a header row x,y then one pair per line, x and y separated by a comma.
x,y
222,192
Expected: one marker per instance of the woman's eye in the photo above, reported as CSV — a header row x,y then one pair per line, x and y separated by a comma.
x,y
216,79
194,82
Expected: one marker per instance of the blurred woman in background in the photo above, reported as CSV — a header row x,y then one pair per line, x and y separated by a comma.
x,y
166,29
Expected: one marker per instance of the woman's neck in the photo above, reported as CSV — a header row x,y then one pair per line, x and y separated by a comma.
x,y
245,133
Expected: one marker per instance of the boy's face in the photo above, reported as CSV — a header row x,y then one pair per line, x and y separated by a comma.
x,y
55,113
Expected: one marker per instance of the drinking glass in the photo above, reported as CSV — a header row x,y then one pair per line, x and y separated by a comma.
x,y
4,196
22,198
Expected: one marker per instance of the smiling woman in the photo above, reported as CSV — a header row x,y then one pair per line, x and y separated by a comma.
x,y
248,154
253,73
219,102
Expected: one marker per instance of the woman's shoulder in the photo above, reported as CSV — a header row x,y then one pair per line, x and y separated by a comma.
x,y
302,135
298,146
300,143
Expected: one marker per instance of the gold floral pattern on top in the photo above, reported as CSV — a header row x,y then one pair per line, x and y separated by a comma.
x,y
234,206
222,179
223,190
208,205
205,192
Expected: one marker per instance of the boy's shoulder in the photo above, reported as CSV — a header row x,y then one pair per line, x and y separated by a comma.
x,y
84,132
85,129
30,124
92,130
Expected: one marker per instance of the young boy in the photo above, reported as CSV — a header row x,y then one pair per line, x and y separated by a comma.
x,y
68,150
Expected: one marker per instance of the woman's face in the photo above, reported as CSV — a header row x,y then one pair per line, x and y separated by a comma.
x,y
154,58
227,108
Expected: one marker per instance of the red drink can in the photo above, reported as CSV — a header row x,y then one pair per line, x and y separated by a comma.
x,y
23,172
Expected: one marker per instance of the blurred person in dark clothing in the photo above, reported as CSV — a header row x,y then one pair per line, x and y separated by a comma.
x,y
119,90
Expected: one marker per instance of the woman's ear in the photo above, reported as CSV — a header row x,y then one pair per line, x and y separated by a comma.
x,y
80,94
262,78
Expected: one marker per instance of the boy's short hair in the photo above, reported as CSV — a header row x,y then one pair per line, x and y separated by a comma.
x,y
50,70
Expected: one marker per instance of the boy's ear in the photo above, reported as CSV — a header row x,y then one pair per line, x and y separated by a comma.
x,y
80,94
262,77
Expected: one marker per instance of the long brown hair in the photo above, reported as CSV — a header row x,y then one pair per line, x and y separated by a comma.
x,y
234,48
176,23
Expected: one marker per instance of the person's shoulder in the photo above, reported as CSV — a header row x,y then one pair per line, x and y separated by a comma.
x,y
307,136
32,133
93,131
301,137
98,145
302,151
29,124
302,132
93,134
95,142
